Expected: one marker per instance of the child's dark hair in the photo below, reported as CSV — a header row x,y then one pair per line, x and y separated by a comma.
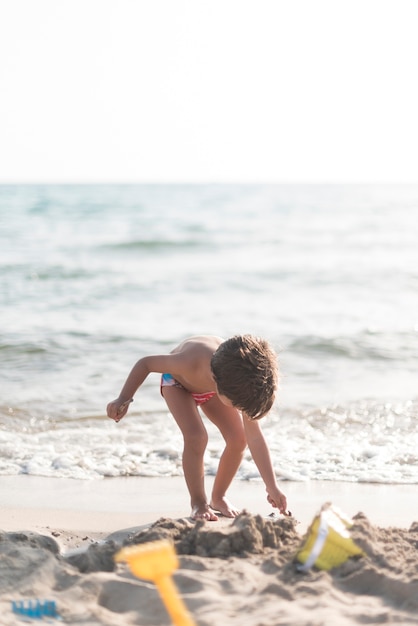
x,y
245,371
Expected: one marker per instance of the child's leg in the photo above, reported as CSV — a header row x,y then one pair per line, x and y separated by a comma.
x,y
229,422
184,410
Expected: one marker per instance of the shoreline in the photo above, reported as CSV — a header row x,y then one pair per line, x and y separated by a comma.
x,y
99,508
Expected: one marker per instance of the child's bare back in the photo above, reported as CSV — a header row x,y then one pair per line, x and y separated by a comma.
x,y
192,362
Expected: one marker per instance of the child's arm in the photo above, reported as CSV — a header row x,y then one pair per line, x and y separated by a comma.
x,y
261,456
162,363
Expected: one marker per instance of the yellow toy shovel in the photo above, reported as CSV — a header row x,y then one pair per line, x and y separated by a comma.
x,y
156,561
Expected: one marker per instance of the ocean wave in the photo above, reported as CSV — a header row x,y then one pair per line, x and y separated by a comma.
x,y
370,345
153,245
40,272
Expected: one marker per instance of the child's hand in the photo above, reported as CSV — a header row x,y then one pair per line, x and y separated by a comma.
x,y
277,499
118,409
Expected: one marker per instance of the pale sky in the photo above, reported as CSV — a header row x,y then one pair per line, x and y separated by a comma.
x,y
208,91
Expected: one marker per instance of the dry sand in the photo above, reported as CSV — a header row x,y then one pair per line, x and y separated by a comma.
x,y
60,536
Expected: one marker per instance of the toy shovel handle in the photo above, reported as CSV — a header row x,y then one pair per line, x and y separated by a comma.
x,y
175,606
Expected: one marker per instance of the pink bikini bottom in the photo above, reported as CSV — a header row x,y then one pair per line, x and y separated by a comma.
x,y
167,380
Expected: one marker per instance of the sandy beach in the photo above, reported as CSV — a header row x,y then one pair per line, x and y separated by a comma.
x,y
59,538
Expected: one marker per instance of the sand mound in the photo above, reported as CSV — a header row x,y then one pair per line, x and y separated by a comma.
x,y
240,573
247,535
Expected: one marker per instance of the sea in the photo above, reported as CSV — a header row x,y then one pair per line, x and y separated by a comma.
x,y
93,277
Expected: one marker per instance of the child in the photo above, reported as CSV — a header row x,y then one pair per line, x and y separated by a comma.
x,y
234,382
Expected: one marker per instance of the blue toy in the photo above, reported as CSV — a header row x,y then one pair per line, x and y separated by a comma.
x,y
35,609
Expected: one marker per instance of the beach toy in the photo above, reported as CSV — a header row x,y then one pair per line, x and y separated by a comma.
x,y
328,542
35,609
156,561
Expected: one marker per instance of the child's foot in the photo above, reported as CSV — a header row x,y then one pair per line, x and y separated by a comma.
x,y
224,507
203,512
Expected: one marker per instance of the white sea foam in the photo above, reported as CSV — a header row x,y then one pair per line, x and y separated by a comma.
x,y
333,443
